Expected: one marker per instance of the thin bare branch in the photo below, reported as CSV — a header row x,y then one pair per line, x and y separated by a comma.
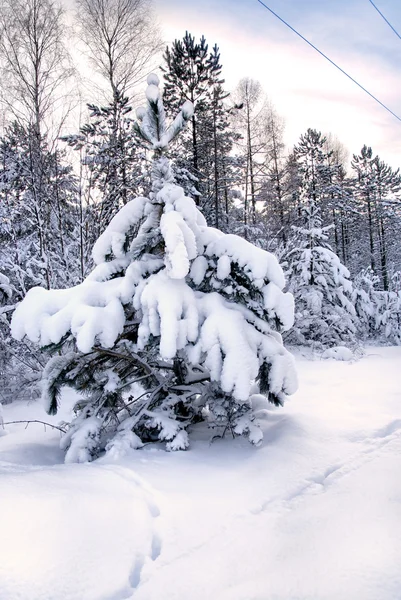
x,y
27,422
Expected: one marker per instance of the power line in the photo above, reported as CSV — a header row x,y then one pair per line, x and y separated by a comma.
x,y
383,17
329,59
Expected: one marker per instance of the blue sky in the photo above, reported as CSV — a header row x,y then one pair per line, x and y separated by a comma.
x,y
305,89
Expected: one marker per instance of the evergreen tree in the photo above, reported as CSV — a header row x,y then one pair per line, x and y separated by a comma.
x,y
388,316
365,188
204,161
38,234
339,205
189,74
315,169
379,312
220,170
376,189
324,311
388,217
175,318
38,241
363,300
293,191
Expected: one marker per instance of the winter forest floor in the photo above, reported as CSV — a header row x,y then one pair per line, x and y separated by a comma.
x,y
314,514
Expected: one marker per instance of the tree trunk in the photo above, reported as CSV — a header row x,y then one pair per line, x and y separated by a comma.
x,y
371,236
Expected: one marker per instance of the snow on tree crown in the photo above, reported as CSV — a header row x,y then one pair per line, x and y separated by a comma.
x,y
152,125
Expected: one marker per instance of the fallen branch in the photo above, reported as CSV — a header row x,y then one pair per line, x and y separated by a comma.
x,y
35,421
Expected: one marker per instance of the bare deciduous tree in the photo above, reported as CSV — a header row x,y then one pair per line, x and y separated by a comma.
x,y
35,63
275,180
250,122
122,39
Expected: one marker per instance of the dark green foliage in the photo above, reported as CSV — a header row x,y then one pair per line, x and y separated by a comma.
x,y
264,384
205,166
376,190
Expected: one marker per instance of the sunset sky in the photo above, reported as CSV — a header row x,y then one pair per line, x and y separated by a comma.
x,y
305,89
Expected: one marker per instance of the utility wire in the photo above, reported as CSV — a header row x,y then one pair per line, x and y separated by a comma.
x,y
383,17
329,59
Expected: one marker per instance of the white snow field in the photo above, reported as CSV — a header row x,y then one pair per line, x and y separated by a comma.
x,y
312,514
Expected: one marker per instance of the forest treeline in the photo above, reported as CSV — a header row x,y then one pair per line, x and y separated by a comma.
x,y
66,170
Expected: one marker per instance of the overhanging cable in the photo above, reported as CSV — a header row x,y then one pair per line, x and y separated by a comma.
x,y
329,59
383,17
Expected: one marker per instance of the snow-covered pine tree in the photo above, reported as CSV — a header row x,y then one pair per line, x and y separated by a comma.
x,y
324,311
190,73
388,316
174,324
38,245
316,170
379,312
37,238
203,160
363,300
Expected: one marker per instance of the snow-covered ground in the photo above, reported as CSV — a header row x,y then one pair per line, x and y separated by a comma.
x,y
314,514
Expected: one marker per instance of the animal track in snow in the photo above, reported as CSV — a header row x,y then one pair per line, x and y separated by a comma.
x,y
156,546
142,561
320,483
135,575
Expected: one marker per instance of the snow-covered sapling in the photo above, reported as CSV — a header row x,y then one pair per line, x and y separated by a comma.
x,y
175,322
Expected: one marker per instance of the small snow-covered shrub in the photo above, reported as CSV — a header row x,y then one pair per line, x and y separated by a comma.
x,y
177,320
338,353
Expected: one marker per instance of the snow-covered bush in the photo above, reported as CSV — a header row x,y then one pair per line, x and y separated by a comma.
x,y
176,320
338,353
396,281
363,299
388,316
6,293
324,311
19,363
379,312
